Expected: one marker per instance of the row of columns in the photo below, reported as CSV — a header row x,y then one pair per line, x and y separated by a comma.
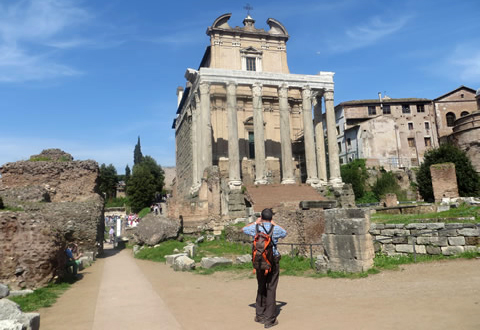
x,y
313,136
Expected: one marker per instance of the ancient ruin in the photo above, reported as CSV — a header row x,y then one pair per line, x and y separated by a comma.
x,y
444,181
54,201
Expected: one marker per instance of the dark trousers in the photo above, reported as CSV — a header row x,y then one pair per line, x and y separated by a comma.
x,y
266,307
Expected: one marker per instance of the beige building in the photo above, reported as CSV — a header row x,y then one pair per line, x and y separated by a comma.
x,y
243,111
393,133
451,106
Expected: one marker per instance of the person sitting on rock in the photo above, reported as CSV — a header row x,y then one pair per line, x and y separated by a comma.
x,y
71,261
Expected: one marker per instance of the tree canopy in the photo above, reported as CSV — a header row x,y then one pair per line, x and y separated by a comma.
x,y
107,181
467,178
137,153
141,187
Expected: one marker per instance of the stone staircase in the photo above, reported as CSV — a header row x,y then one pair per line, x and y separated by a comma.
x,y
272,195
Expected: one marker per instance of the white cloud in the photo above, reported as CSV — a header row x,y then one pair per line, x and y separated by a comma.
x,y
32,32
368,34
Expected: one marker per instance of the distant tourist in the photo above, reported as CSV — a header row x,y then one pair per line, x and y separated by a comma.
x,y
71,261
111,234
267,280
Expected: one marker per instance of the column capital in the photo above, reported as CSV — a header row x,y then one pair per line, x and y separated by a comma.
x,y
204,87
257,89
283,90
231,82
306,92
328,95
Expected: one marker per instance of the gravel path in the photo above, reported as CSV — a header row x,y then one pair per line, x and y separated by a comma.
x,y
440,295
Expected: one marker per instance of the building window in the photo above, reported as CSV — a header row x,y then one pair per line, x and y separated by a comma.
x,y
464,113
251,65
386,109
462,96
410,126
349,142
427,125
339,147
338,130
405,108
420,108
371,110
428,142
450,119
411,142
251,145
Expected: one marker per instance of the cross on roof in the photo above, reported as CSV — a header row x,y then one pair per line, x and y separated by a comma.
x,y
248,8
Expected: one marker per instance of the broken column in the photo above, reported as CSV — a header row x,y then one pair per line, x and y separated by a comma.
x,y
348,245
444,181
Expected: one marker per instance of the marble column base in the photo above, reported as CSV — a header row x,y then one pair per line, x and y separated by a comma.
x,y
314,182
336,182
261,181
235,184
288,181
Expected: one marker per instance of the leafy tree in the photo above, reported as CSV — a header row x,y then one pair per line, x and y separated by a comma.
x,y
356,174
127,173
107,180
141,187
156,171
137,153
467,178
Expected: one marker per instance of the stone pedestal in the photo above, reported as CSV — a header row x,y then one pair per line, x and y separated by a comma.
x,y
444,181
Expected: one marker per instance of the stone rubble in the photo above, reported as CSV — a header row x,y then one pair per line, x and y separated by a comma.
x,y
10,311
215,262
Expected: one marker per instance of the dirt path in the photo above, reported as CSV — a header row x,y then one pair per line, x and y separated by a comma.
x,y
440,295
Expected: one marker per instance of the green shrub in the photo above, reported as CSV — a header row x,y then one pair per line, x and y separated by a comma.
x,y
40,159
467,178
117,202
143,212
387,183
356,174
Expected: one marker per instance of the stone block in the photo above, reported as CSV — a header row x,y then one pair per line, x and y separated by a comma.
x,y
435,226
243,259
344,226
454,226
471,248
10,325
90,255
346,213
190,250
200,239
359,247
433,249
170,259
215,262
400,240
434,241
472,240
31,321
458,240
406,248
16,293
183,263
401,232
374,231
390,226
4,291
469,232
452,250
389,249
384,239
377,226
416,226
448,232
349,265
321,264
388,232
377,246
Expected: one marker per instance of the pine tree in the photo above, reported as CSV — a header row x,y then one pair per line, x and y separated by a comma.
x,y
108,180
137,153
127,173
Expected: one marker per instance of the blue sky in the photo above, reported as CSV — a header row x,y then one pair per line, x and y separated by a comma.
x,y
90,76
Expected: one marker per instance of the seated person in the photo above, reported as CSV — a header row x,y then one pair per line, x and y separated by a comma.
x,y
71,261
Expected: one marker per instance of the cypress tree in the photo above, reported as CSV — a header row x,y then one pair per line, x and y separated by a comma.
x,y
137,153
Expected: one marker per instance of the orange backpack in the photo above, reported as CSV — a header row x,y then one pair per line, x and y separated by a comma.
x,y
262,250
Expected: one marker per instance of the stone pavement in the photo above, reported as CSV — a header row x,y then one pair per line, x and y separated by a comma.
x,y
113,294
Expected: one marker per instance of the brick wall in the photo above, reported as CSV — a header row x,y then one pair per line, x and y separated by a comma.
x,y
184,158
444,181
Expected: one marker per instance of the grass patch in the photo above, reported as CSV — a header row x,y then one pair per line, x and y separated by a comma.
x,y
158,253
393,262
12,209
43,297
463,211
237,268
144,212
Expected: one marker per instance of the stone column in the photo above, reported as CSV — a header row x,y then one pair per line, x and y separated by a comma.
x,y
206,126
285,140
258,131
334,163
308,136
319,140
234,180
194,138
198,135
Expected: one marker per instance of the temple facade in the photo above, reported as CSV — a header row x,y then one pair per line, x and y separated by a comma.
x,y
243,111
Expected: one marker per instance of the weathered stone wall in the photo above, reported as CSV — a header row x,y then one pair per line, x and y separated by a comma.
x,y
444,181
65,181
430,238
466,135
184,157
31,250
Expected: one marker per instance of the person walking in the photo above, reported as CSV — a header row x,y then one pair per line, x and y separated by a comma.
x,y
265,305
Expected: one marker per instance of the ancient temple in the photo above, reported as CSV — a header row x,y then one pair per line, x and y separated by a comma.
x,y
243,111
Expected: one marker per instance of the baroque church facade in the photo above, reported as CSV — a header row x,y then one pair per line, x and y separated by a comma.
x,y
243,111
